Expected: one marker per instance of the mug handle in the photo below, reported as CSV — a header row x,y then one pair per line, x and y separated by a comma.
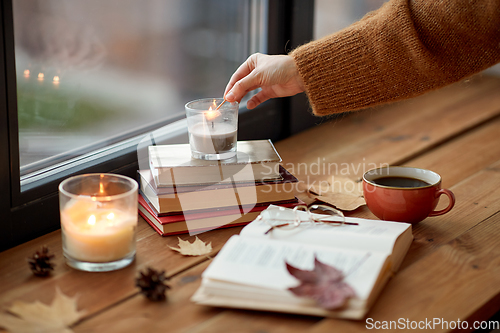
x,y
451,196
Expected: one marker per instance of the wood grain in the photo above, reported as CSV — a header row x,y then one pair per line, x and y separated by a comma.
x,y
348,147
179,314
451,283
97,291
451,231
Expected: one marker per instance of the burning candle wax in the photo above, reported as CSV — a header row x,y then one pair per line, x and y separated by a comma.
x,y
97,234
213,128
214,139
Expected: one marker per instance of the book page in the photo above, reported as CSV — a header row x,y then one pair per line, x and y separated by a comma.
x,y
368,235
261,263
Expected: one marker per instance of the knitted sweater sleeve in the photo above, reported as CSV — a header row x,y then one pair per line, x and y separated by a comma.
x,y
402,50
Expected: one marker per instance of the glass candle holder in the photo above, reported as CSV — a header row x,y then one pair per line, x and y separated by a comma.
x,y
212,133
98,221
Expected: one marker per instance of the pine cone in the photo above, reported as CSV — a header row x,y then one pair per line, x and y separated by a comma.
x,y
40,263
152,284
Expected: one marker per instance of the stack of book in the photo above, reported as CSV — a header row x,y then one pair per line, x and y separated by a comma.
x,y
180,194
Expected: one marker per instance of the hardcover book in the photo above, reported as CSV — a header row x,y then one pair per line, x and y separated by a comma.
x,y
250,271
173,165
175,199
203,220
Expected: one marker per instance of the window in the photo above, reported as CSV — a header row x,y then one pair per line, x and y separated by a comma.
x,y
91,73
84,81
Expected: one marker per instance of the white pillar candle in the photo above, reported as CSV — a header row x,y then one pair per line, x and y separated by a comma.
x,y
94,234
98,221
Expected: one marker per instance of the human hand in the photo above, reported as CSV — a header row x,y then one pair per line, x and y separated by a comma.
x,y
277,75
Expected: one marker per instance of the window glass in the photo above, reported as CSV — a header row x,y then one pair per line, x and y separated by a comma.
x,y
91,73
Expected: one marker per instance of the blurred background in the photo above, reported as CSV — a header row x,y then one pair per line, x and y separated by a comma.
x,y
91,73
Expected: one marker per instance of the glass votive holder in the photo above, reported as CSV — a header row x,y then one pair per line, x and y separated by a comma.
x,y
212,133
98,221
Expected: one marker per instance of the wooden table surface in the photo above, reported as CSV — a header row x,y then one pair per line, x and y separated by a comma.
x,y
451,272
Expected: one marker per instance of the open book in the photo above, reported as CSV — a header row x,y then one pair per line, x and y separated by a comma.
x,y
250,273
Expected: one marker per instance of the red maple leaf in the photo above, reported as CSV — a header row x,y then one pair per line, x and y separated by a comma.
x,y
325,284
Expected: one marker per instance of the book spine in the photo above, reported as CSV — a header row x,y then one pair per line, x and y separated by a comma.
x,y
151,223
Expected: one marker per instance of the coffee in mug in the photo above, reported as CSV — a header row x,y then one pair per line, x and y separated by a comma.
x,y
404,194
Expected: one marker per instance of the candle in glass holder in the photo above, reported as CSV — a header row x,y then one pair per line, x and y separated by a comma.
x,y
213,137
212,133
98,221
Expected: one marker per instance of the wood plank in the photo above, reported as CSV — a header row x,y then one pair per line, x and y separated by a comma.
x,y
179,314
97,290
483,187
483,268
478,198
354,127
140,315
478,206
430,288
428,122
473,151
14,268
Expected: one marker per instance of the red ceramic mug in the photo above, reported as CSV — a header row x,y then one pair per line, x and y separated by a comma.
x,y
404,194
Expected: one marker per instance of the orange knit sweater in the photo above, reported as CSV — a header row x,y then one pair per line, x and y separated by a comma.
x,y
404,49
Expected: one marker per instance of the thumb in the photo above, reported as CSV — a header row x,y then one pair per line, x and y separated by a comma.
x,y
242,87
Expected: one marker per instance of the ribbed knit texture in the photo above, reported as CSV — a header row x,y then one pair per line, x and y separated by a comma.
x,y
402,50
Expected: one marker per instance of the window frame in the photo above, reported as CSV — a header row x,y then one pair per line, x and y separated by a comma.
x,y
33,212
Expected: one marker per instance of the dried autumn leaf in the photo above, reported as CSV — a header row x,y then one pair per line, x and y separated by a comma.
x,y
39,317
343,193
197,248
325,284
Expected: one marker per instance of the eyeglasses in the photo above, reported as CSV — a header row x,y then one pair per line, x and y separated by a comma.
x,y
282,218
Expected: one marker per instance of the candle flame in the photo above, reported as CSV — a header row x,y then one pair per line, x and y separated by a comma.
x,y
56,79
26,72
91,220
41,76
111,216
101,188
212,114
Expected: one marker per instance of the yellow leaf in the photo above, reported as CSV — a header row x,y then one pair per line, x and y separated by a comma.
x,y
197,248
343,193
39,317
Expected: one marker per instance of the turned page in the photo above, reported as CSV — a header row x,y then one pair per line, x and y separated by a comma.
x,y
367,235
260,263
